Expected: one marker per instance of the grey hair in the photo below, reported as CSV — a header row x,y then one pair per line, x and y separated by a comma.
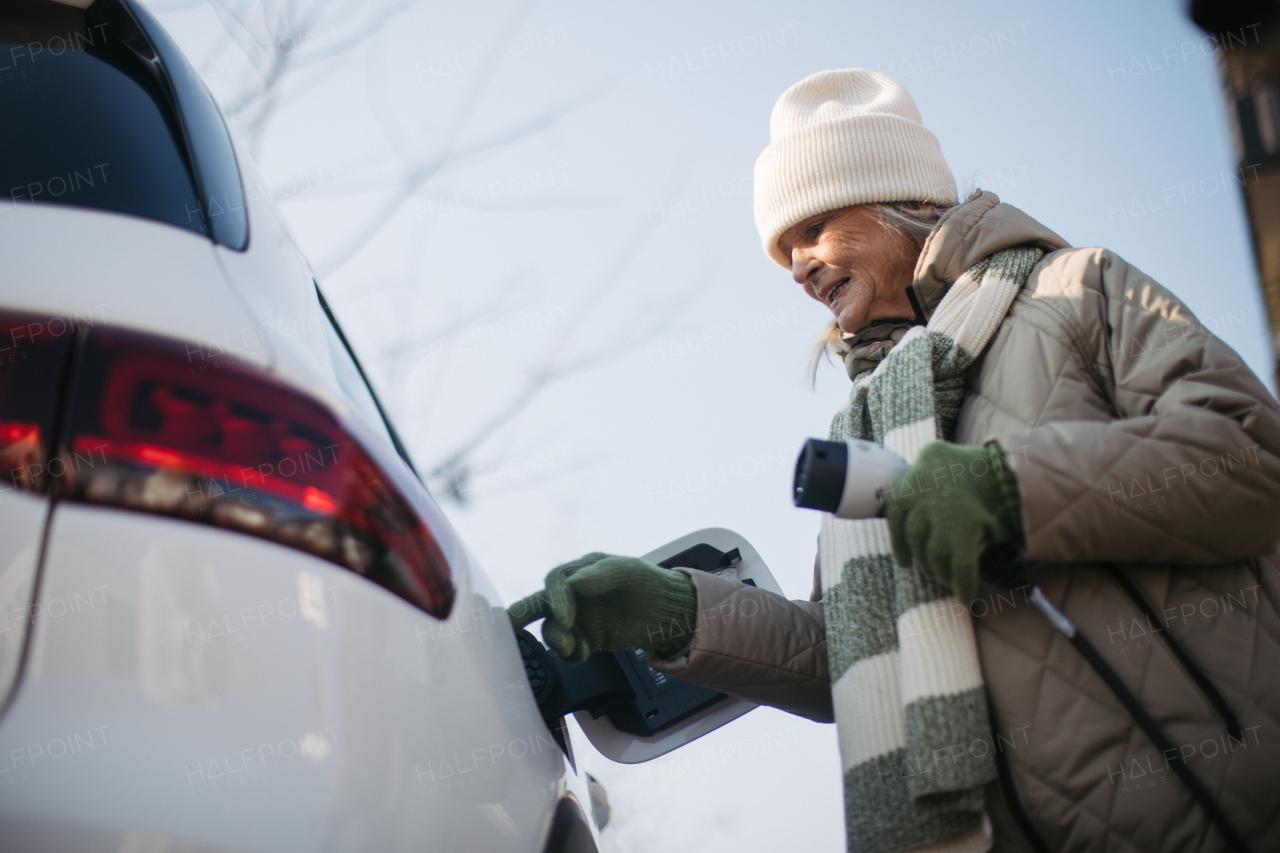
x,y
911,219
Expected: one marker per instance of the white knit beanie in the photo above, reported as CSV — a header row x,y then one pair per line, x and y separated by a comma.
x,y
840,138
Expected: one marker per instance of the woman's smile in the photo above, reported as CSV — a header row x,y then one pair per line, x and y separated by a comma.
x,y
847,260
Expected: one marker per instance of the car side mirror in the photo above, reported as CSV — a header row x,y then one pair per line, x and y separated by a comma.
x,y
629,711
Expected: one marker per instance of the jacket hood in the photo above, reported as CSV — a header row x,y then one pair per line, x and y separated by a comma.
x,y
963,236
968,233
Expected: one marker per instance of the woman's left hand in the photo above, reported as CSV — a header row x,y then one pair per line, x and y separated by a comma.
x,y
954,503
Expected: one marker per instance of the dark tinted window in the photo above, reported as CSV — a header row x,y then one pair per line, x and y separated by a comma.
x,y
89,116
217,175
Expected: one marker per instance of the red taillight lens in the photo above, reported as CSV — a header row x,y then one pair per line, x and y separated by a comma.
x,y
33,360
152,427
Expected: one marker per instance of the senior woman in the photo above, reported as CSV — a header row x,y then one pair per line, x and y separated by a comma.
x,y
1052,400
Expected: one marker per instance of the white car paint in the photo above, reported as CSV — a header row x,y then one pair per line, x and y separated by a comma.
x,y
275,283
381,701
22,519
171,686
233,694
108,268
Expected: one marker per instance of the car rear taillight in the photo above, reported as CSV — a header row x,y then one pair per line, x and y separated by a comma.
x,y
33,361
157,426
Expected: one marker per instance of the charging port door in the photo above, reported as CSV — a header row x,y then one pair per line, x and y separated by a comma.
x,y
628,710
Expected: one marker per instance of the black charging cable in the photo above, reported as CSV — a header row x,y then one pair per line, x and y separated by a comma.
x,y
1193,672
1003,566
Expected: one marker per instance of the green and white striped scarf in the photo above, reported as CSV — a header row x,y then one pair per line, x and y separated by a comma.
x,y
906,683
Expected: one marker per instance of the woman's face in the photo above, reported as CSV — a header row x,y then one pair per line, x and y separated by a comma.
x,y
851,263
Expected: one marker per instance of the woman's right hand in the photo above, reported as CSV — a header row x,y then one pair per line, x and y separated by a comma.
x,y
607,602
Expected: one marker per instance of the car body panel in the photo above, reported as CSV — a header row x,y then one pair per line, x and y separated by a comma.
x,y
235,694
155,710
124,270
22,519
275,283
165,698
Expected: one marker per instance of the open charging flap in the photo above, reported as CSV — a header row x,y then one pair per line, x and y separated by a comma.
x,y
629,711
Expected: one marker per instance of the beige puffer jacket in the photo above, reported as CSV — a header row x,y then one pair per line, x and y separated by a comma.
x,y
1141,444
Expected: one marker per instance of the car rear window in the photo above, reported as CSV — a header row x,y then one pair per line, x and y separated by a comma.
x,y
89,117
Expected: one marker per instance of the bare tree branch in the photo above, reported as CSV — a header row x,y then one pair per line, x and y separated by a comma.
x,y
553,369
448,154
278,75
285,25
425,172
463,492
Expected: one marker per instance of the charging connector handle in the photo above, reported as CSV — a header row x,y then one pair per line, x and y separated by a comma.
x,y
848,478
821,468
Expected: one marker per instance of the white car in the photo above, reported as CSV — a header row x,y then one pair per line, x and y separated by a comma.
x,y
231,617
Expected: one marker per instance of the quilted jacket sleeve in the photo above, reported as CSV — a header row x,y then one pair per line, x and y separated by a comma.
x,y
1187,472
757,646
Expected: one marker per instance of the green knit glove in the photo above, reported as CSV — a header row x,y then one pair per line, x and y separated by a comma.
x,y
952,504
602,601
